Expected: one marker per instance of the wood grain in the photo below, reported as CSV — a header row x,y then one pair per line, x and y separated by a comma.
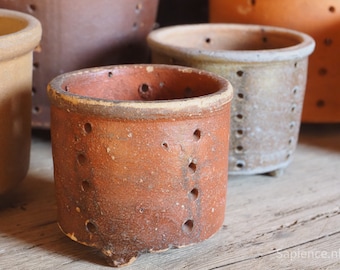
x,y
286,222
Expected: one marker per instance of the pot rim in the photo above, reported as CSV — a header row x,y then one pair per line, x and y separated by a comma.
x,y
140,109
23,41
157,41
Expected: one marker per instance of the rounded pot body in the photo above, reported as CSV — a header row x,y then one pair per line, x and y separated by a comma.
x,y
140,156
267,67
84,33
19,35
321,20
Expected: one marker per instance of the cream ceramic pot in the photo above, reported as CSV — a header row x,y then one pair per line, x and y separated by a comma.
x,y
267,67
19,35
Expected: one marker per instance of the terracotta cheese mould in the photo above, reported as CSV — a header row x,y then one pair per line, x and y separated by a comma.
x,y
84,33
267,67
140,157
319,19
19,35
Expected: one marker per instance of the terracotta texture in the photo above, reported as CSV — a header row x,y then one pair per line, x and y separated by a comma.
x,y
321,20
19,34
267,67
84,33
140,157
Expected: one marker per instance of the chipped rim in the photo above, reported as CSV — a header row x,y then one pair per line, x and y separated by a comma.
x,y
136,109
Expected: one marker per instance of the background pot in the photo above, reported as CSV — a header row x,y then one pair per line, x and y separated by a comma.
x,y
84,33
267,67
19,34
140,157
321,20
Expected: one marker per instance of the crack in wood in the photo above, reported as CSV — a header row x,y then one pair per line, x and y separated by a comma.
x,y
277,251
303,222
307,207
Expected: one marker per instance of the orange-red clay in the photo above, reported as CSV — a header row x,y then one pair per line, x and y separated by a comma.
x,y
140,157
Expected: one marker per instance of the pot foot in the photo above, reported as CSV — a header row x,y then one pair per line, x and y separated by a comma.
x,y
276,173
119,260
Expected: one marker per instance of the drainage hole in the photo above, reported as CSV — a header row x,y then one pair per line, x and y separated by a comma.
x,y
331,9
323,71
240,96
290,141
66,88
90,227
240,164
188,226
293,108
110,74
135,26
81,159
193,166
239,116
31,8
34,91
197,134
291,125
208,40
239,133
88,128
165,145
295,64
295,90
194,194
288,156
85,185
239,73
144,88
328,41
36,110
144,91
264,39
320,103
35,65
239,149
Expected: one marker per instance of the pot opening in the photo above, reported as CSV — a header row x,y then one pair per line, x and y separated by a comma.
x,y
147,83
228,38
11,25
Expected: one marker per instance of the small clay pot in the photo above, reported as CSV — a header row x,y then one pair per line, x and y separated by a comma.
x,y
319,19
267,67
140,157
19,35
84,33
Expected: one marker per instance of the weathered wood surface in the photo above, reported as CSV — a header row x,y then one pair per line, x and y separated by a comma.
x,y
287,222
